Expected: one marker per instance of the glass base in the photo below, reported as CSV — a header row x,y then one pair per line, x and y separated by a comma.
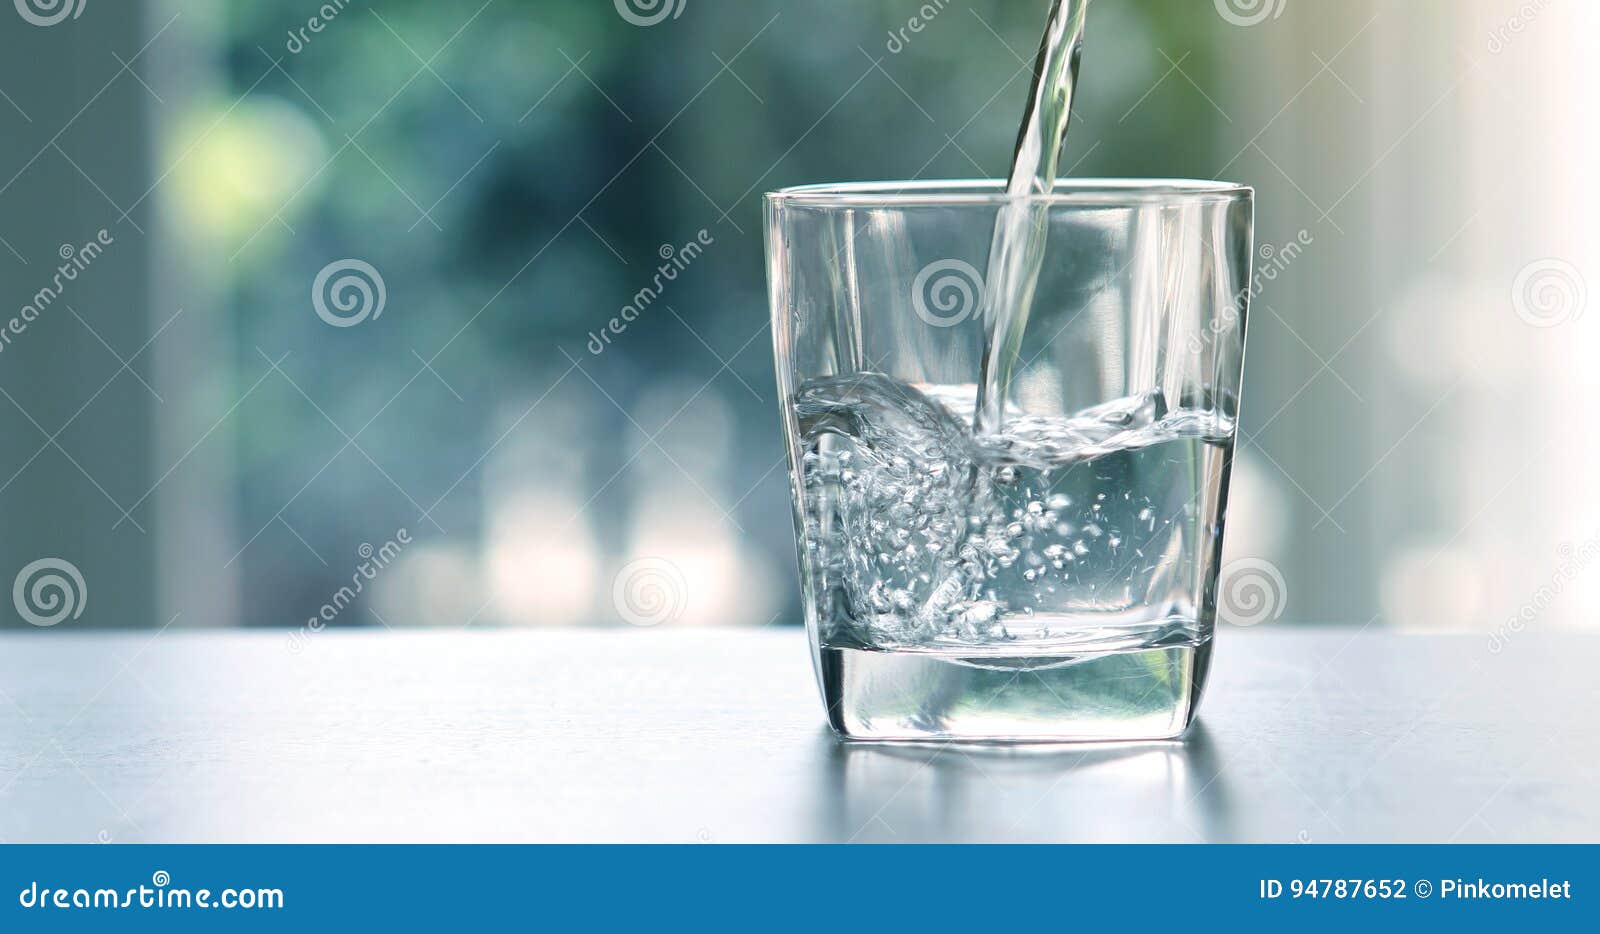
x,y
909,696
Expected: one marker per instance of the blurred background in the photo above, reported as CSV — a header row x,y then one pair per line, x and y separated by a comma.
x,y
307,300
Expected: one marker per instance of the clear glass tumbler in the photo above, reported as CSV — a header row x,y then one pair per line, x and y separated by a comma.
x,y
1049,573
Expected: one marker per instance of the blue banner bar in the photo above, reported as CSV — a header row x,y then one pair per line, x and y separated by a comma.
x,y
1312,888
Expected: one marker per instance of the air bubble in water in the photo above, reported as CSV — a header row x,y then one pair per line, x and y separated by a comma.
x,y
916,535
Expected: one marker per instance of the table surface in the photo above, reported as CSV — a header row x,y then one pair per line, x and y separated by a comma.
x,y
1311,735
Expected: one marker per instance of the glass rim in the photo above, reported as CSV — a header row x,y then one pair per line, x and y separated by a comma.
x,y
1092,192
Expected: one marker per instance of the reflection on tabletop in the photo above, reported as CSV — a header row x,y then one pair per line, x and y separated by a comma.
x,y
880,793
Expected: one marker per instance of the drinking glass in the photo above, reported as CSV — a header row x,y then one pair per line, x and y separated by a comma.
x,y
1047,572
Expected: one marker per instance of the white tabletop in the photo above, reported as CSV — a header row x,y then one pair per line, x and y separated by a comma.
x,y
1315,735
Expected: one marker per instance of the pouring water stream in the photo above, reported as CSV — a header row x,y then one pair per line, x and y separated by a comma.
x,y
1017,251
